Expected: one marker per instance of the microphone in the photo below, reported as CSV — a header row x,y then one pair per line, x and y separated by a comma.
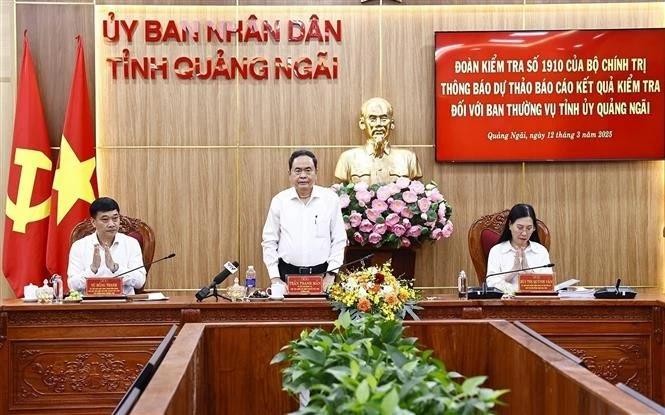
x,y
229,268
519,270
363,259
143,266
615,293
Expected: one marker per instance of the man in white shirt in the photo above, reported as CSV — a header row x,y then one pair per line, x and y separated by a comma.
x,y
105,253
304,232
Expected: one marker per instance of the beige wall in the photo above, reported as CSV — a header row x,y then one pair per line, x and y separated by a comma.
x,y
199,161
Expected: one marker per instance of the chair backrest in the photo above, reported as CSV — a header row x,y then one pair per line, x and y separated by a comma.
x,y
135,228
485,233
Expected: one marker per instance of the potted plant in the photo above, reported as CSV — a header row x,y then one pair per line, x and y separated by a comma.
x,y
373,290
390,219
366,365
403,213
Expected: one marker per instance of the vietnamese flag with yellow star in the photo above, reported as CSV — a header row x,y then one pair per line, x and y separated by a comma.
x,y
28,200
75,180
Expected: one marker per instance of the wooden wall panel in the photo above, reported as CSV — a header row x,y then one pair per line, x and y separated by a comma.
x,y
312,112
594,16
52,29
164,112
187,197
602,231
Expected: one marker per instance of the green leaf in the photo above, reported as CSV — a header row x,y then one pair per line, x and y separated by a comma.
x,y
353,365
392,333
371,381
345,320
397,357
470,386
339,372
279,357
313,355
389,403
297,374
362,393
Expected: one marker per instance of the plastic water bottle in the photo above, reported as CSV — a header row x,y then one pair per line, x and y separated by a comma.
x,y
461,284
56,282
250,280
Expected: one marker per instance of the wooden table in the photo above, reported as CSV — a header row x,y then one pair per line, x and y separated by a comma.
x,y
82,357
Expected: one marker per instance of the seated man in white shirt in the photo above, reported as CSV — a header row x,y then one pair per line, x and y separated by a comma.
x,y
105,253
304,232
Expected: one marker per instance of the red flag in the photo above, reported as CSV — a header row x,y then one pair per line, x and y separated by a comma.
x,y
29,186
75,180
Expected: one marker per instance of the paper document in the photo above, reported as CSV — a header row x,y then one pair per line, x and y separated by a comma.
x,y
148,297
566,284
577,292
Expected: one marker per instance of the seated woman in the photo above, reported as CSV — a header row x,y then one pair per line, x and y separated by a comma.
x,y
518,248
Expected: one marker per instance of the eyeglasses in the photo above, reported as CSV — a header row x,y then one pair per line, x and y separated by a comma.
x,y
298,171
521,229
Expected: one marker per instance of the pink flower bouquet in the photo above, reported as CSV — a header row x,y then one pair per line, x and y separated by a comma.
x,y
394,215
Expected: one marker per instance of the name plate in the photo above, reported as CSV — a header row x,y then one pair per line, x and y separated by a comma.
x,y
305,284
537,283
103,287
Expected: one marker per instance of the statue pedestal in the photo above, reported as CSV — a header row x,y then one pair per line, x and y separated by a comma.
x,y
403,259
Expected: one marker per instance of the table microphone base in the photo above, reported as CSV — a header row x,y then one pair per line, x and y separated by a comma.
x,y
478,293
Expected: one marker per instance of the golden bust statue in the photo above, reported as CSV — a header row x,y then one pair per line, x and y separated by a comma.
x,y
377,161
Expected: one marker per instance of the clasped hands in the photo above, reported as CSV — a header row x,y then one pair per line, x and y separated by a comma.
x,y
520,259
108,259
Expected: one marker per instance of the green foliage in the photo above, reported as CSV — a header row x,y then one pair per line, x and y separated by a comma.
x,y
367,366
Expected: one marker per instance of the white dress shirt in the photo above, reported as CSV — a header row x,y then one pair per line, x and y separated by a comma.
x,y
126,252
304,234
502,258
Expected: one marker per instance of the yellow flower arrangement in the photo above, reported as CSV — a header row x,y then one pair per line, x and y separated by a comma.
x,y
374,290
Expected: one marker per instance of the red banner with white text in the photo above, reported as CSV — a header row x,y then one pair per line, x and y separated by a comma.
x,y
550,95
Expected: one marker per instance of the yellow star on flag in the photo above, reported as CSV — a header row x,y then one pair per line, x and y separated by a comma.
x,y
72,179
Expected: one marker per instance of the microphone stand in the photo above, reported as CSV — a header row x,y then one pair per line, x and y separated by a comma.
x,y
143,266
361,260
215,294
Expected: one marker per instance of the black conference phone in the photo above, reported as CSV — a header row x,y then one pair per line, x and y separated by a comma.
x,y
623,293
483,293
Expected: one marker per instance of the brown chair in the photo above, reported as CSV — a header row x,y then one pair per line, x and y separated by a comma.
x,y
485,233
135,228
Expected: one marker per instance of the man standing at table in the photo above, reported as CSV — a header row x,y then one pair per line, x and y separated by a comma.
x,y
105,252
304,232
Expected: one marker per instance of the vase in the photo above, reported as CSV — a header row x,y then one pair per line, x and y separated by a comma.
x,y
403,259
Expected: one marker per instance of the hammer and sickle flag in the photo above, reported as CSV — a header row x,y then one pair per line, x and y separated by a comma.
x,y
28,199
75,179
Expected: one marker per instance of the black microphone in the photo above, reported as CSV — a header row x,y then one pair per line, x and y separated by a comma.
x,y
366,257
519,270
143,266
615,293
229,268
